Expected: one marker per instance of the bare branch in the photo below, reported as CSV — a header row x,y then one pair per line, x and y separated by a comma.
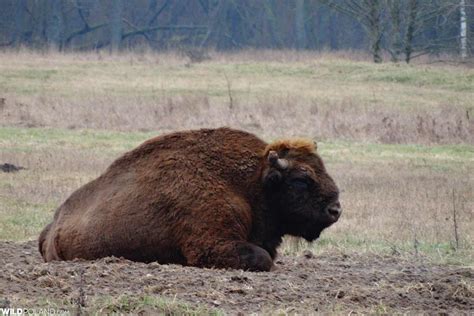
x,y
161,28
160,10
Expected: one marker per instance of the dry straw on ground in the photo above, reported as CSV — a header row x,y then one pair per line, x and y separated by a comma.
x,y
270,93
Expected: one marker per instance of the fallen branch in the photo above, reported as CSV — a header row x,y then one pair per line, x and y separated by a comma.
x,y
161,28
86,29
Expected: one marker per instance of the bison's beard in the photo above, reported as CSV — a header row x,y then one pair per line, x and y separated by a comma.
x,y
312,232
309,228
312,235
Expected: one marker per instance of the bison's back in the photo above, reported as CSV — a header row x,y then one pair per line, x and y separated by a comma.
x,y
148,201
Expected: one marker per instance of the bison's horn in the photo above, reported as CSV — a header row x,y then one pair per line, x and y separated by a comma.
x,y
282,163
277,162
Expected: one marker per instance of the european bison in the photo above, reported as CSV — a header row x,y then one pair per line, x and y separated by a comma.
x,y
209,198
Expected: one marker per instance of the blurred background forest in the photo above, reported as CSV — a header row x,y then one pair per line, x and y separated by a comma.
x,y
397,30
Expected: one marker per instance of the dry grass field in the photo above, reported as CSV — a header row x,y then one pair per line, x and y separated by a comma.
x,y
398,139
270,93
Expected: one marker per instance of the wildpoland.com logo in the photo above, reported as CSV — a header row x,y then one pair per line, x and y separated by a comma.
x,y
33,311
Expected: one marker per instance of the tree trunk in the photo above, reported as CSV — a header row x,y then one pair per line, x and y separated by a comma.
x,y
463,29
299,25
274,26
395,35
413,11
375,30
54,26
116,25
20,10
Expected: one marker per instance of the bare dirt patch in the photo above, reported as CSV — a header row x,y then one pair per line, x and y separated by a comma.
x,y
306,283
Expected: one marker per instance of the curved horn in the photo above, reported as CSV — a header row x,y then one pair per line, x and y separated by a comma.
x,y
277,162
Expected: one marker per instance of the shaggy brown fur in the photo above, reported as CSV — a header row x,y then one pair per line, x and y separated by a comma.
x,y
208,198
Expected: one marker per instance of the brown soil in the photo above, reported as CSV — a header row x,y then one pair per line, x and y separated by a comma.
x,y
305,284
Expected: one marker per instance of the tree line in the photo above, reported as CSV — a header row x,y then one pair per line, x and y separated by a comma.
x,y
405,29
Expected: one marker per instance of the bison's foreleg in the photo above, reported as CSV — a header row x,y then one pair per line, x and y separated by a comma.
x,y
253,257
229,254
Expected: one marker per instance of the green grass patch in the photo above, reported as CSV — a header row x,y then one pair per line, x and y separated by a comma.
x,y
126,305
21,220
439,157
319,79
31,74
444,253
19,139
449,79
268,69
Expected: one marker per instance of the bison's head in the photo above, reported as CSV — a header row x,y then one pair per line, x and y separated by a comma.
x,y
298,187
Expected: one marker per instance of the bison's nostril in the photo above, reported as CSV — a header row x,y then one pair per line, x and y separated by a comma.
x,y
334,210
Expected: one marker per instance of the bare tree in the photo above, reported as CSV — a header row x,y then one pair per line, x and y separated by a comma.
x,y
396,42
83,12
270,11
375,28
405,28
432,27
300,24
20,18
370,14
463,29
412,19
116,25
54,26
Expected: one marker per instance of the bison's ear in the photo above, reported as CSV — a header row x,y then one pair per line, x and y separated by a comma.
x,y
272,175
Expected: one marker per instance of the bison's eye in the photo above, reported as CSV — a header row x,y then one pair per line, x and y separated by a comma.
x,y
299,184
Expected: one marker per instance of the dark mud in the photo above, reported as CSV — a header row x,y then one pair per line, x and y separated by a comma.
x,y
305,284
8,167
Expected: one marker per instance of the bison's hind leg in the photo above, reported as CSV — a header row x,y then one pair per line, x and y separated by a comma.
x,y
42,239
229,254
47,243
